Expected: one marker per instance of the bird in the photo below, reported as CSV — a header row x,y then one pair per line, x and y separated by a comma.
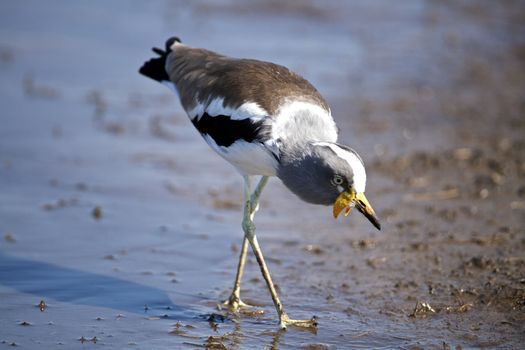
x,y
266,121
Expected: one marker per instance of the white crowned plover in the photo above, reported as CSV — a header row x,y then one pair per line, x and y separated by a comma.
x,y
268,121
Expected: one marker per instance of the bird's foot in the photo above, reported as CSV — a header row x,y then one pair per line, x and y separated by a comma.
x,y
285,321
234,303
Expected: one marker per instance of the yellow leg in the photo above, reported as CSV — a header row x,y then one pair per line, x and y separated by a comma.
x,y
234,302
249,233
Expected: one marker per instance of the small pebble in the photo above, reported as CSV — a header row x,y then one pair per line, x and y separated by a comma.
x,y
97,213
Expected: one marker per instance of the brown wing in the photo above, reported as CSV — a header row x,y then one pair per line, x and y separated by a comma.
x,y
201,75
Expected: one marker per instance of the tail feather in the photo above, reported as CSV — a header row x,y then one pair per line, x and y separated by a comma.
x,y
155,68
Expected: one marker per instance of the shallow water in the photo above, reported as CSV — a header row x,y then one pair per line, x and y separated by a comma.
x,y
80,129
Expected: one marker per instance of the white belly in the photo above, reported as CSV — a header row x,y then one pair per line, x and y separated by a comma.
x,y
248,158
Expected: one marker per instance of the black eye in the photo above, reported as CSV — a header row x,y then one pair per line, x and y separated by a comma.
x,y
337,180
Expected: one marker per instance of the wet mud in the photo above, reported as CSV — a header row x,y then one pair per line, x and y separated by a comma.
x,y
121,229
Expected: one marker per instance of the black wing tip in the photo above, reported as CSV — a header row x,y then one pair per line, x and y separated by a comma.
x,y
155,69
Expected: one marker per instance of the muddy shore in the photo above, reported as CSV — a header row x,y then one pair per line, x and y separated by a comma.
x,y
121,229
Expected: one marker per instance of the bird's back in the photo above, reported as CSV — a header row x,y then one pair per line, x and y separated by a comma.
x,y
202,75
249,111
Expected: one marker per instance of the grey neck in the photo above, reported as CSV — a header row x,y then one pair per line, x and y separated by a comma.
x,y
305,171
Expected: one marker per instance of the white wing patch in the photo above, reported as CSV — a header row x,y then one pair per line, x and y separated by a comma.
x,y
354,162
216,107
299,121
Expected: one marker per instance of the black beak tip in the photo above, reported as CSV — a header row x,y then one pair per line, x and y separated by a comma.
x,y
375,221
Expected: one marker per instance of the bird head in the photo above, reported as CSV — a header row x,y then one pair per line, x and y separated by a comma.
x,y
350,183
329,174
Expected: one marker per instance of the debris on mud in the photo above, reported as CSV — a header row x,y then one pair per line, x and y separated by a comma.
x,y
97,213
42,305
8,237
422,309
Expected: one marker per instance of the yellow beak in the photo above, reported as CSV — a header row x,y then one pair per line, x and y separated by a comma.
x,y
349,199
